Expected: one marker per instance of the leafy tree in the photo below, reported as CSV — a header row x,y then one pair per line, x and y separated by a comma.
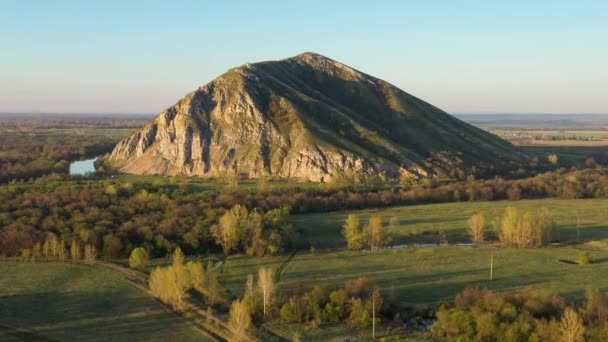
x,y
75,251
139,258
212,288
112,246
526,230
170,284
372,233
63,253
197,276
90,253
290,311
553,159
360,315
239,321
180,276
352,233
571,326
596,310
477,228
231,227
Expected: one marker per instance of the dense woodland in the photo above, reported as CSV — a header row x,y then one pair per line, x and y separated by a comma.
x,y
117,216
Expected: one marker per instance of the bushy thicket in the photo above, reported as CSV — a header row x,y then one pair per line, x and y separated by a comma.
x,y
171,284
516,229
354,305
530,315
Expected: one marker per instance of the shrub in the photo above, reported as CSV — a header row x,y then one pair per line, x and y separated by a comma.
x,y
584,258
139,258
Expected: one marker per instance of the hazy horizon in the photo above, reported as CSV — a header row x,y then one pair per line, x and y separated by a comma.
x,y
141,57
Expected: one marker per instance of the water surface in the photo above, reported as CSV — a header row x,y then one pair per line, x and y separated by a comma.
x,y
82,167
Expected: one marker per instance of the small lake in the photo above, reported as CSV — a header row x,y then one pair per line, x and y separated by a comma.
x,y
82,167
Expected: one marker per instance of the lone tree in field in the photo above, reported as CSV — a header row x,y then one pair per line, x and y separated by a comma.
x,y
373,232
267,288
139,258
571,326
553,159
352,233
477,228
239,321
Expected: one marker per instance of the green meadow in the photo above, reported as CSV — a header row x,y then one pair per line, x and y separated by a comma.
x,y
420,223
429,275
55,301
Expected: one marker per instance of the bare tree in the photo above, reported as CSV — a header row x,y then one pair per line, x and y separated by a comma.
x,y
376,303
266,287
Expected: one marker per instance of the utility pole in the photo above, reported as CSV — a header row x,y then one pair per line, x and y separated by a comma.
x,y
492,265
375,296
374,316
578,227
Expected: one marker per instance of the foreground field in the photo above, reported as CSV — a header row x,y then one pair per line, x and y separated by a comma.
x,y
420,223
52,301
426,276
432,274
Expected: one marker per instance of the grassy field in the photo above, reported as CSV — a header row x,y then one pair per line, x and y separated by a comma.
x,y
53,301
431,274
423,276
419,223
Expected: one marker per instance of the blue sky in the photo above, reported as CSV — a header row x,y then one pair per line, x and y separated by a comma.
x,y
463,56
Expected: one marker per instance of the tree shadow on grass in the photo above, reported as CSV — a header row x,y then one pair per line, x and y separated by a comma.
x,y
87,316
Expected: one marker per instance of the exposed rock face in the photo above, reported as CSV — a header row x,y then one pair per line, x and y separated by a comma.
x,y
309,118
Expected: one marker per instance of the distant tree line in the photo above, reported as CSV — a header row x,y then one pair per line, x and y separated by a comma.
x,y
33,146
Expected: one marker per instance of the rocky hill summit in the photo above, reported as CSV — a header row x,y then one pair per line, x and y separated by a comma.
x,y
309,118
